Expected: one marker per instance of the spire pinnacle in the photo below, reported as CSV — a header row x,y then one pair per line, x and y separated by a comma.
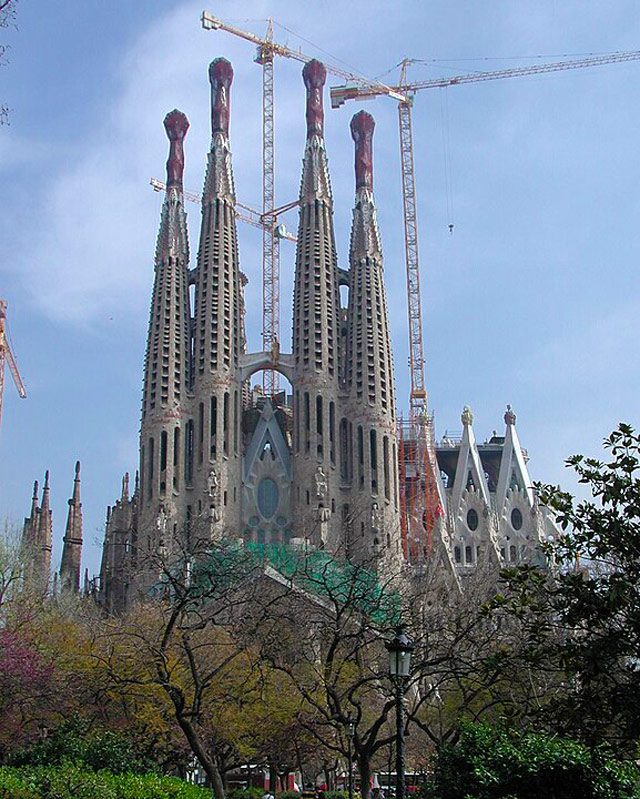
x,y
34,500
176,125
45,492
220,78
125,487
362,127
72,541
76,483
314,75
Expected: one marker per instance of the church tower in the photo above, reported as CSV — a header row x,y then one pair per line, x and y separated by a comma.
x,y
315,335
72,541
164,429
368,430
212,468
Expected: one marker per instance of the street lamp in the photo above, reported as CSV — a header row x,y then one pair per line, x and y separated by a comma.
x,y
351,731
399,648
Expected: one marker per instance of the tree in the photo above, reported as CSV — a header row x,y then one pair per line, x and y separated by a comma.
x,y
188,646
581,621
328,640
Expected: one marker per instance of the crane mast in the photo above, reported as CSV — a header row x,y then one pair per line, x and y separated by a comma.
x,y
7,355
267,49
270,241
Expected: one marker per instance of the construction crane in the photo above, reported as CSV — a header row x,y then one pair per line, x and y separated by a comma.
x,y
7,355
245,213
421,422
266,50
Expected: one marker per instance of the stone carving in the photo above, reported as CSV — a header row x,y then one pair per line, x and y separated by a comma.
x,y
376,517
220,78
323,519
467,416
161,521
509,417
314,75
213,484
321,483
176,125
362,127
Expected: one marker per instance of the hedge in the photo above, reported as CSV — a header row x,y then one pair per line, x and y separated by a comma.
x,y
71,782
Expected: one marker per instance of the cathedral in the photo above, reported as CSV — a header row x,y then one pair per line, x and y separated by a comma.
x,y
320,466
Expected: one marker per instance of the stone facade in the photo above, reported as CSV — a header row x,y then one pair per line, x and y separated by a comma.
x,y
321,467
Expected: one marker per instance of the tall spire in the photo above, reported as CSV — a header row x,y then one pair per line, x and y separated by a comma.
x,y
315,333
29,528
369,364
214,434
219,178
315,183
72,541
42,553
167,361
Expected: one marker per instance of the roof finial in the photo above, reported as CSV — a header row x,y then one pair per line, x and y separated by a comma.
x,y
467,416
76,484
176,125
220,78
509,417
314,75
362,127
125,487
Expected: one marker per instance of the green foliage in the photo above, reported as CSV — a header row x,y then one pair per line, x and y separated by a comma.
x,y
493,763
73,742
289,795
336,795
251,792
582,621
72,782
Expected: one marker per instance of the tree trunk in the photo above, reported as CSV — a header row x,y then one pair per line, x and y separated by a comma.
x,y
207,763
364,769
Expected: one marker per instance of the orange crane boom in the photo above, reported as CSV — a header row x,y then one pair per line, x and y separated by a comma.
x,y
7,355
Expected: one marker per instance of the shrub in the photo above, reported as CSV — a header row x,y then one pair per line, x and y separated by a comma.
x,y
71,782
492,763
74,742
252,792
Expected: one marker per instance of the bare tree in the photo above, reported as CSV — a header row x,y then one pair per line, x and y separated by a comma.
x,y
191,638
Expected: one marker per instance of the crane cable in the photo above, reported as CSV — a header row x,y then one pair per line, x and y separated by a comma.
x,y
446,156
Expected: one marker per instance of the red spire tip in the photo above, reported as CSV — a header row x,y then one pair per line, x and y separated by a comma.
x,y
314,75
176,125
220,78
362,127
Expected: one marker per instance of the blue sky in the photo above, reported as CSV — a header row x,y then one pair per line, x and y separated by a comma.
x,y
533,301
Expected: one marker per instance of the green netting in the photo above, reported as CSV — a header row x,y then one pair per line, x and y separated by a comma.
x,y
337,582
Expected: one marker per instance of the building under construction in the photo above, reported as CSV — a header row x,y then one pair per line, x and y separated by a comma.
x,y
326,464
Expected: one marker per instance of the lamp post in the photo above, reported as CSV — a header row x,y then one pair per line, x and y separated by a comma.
x,y
351,730
399,648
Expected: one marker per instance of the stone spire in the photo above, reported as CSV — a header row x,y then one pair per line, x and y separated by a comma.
x,y
72,541
42,548
214,449
167,361
369,367
30,525
315,333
